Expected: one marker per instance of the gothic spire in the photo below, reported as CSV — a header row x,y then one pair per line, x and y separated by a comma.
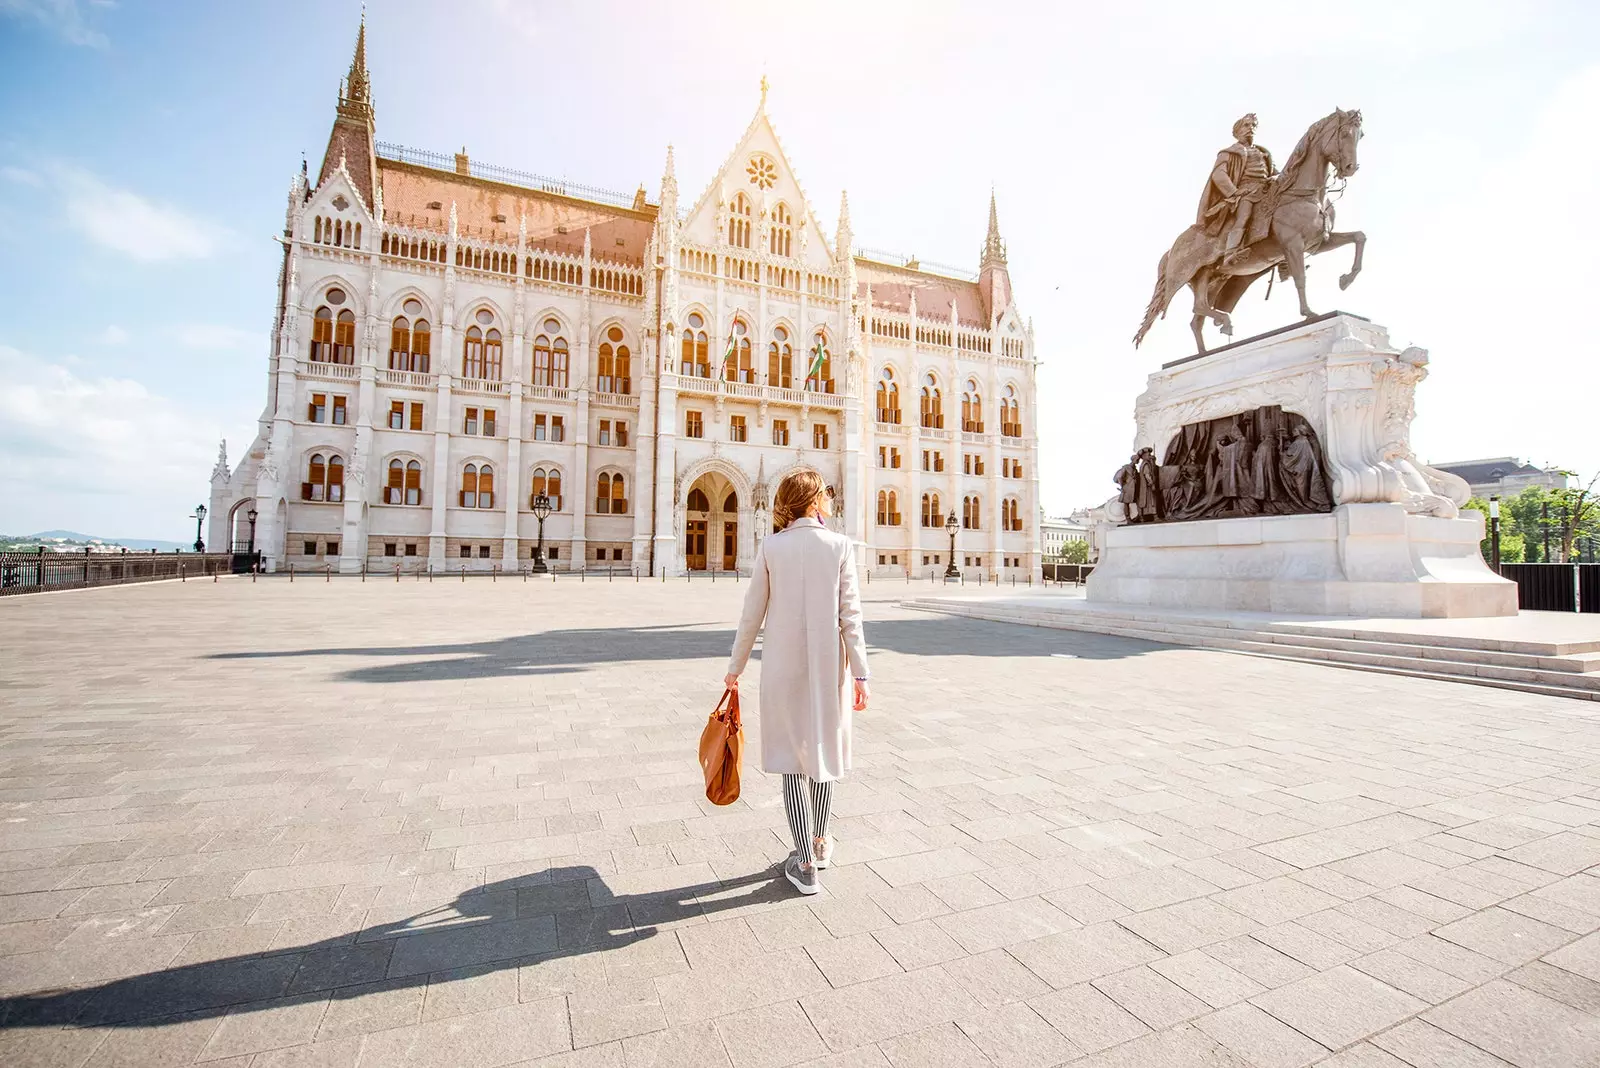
x,y
994,250
355,100
845,237
669,186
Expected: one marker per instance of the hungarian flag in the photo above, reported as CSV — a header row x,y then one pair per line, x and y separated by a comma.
x,y
818,356
727,358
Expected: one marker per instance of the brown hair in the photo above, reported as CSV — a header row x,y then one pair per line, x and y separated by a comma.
x,y
794,497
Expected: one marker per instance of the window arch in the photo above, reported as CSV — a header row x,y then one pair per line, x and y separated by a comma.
x,y
739,367
780,359
410,340
333,333
739,221
610,494
932,403
1010,514
697,501
971,511
930,511
546,480
615,367
972,408
481,348
888,397
551,357
781,240
696,352
404,485
1011,413
888,508
819,372
477,486
324,478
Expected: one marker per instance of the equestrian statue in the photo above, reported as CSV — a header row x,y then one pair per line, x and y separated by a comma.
x,y
1254,218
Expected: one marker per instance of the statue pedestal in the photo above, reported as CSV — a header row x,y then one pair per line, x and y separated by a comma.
x,y
1395,543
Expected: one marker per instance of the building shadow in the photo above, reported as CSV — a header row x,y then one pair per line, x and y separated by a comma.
x,y
560,651
508,924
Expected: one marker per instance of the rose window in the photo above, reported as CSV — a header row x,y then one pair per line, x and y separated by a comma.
x,y
763,173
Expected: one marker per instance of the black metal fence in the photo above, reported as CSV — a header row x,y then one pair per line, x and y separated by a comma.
x,y
1073,573
1555,587
31,572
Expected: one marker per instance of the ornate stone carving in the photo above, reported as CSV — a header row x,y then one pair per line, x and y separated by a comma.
x,y
219,472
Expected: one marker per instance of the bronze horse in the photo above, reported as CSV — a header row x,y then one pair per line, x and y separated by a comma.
x,y
1301,224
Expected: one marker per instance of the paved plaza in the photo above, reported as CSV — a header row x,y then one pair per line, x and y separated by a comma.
x,y
386,824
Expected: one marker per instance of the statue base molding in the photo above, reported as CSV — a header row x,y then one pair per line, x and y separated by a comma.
x,y
1395,543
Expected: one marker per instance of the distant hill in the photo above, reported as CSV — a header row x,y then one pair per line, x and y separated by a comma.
x,y
131,543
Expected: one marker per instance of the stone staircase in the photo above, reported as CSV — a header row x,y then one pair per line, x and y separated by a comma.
x,y
1554,666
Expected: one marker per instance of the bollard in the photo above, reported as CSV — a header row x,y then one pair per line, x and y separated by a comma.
x,y
430,574
183,572
253,569
214,573
463,572
524,575
327,571
397,572
869,576
363,571
291,572
494,572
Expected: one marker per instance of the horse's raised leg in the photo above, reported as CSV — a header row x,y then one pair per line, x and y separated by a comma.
x,y
1196,324
1339,240
1294,257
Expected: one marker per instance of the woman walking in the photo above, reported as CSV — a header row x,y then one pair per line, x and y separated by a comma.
x,y
804,588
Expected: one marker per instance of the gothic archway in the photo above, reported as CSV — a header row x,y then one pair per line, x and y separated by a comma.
x,y
711,524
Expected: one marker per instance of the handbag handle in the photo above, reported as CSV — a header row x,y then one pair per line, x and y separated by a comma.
x,y
730,697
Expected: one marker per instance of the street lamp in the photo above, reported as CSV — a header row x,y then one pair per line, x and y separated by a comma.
x,y
951,526
1494,530
541,510
199,518
251,515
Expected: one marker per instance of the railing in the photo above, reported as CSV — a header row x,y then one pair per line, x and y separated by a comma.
x,y
319,369
46,570
693,384
410,379
1074,573
1555,587
560,186
478,385
616,400
911,263
556,393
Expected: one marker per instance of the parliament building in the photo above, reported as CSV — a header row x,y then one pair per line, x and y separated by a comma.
x,y
452,340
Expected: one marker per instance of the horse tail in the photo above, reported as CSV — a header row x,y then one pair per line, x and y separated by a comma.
x,y
1158,301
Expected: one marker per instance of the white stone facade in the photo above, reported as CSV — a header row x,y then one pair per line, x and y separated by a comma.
x,y
633,293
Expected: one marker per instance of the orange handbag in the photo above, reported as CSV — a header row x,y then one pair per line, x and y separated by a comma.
x,y
722,750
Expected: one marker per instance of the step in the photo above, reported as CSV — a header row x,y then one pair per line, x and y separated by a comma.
x,y
1385,657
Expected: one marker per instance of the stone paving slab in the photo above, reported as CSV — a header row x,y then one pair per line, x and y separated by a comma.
x,y
275,825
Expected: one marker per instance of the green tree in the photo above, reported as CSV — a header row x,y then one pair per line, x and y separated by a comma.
x,y
1511,544
1074,552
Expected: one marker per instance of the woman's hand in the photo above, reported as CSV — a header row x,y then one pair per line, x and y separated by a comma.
x,y
862,693
731,682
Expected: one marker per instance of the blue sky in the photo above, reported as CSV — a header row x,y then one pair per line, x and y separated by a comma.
x,y
147,149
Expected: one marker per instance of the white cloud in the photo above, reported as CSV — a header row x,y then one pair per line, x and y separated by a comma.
x,y
79,449
133,225
65,18
112,335
21,175
212,336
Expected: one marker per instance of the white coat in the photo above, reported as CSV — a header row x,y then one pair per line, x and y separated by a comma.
x,y
804,587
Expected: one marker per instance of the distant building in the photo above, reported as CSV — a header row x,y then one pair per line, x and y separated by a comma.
x,y
1056,531
1506,476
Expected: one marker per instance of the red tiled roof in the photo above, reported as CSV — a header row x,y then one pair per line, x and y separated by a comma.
x,y
892,288
408,189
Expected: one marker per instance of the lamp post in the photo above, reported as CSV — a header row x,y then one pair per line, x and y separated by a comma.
x,y
1494,531
541,511
199,518
951,526
251,515
1544,525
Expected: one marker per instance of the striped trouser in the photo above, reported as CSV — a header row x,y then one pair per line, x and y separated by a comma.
x,y
807,810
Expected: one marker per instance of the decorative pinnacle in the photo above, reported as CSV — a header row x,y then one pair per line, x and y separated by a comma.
x,y
764,87
994,251
355,92
845,234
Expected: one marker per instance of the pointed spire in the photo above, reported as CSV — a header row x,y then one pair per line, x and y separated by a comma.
x,y
355,99
994,251
669,187
764,87
845,236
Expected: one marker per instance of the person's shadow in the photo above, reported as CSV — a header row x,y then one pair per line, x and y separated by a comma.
x,y
508,924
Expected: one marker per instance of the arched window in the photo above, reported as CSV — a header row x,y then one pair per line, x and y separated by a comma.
x,y
739,368
739,221
548,482
610,495
1011,413
819,365
781,241
472,353
344,337
696,353
615,368
888,397
932,404
333,334
730,503
405,482
970,512
1010,514
780,359
697,501
972,408
409,340
930,511
888,508
324,478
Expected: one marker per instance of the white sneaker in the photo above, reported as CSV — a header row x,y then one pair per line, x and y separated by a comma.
x,y
822,851
804,879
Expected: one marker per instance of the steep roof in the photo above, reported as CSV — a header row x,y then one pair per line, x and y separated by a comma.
x,y
893,286
555,221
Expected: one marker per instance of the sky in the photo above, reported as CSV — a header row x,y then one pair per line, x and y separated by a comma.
x,y
147,148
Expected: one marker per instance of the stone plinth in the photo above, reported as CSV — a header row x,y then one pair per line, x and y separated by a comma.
x,y
1396,543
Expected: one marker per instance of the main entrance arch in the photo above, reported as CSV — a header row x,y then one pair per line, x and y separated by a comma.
x,y
711,524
